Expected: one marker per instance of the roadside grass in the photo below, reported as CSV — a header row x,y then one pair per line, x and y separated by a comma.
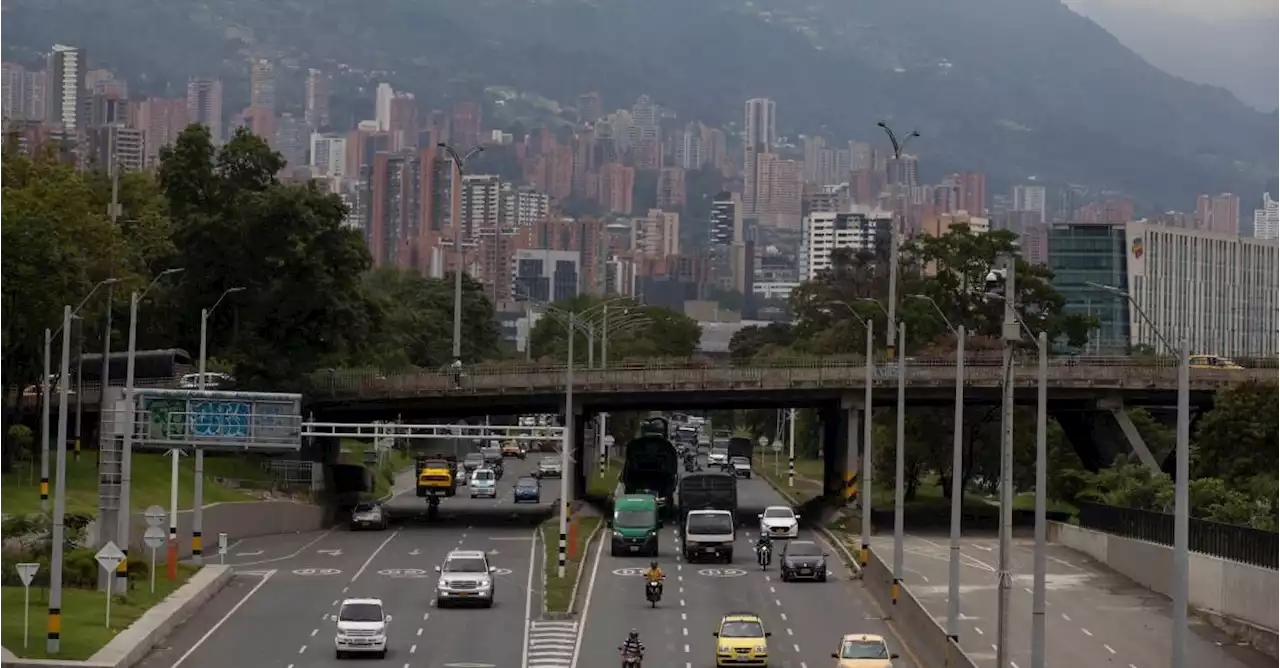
x,y
808,485
558,593
384,475
603,485
20,489
83,615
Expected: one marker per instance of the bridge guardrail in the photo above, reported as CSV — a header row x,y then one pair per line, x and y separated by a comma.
x,y
1107,372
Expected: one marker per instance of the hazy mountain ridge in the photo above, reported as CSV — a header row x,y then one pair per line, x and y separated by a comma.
x,y
1013,87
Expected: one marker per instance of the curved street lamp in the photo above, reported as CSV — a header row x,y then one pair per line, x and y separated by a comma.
x,y
461,163
894,244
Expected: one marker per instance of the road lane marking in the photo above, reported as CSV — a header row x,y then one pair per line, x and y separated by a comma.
x,y
1065,617
419,633
578,628
314,632
528,599
413,649
223,620
979,630
1108,648
783,615
302,649
790,632
686,649
797,648
685,631
1087,632
295,553
374,555
425,616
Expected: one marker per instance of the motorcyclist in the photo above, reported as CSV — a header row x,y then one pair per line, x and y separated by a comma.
x,y
764,542
632,645
655,575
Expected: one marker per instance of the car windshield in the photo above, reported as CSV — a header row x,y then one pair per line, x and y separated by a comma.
x,y
634,519
778,512
526,482
864,649
365,507
475,457
803,549
710,524
360,612
465,565
741,460
549,462
483,475
741,630
719,451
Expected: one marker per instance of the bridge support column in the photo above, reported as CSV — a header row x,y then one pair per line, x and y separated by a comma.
x,y
1102,432
580,455
1116,408
840,436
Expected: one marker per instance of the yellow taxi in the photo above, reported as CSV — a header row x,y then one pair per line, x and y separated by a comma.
x,y
742,641
1213,362
512,449
863,650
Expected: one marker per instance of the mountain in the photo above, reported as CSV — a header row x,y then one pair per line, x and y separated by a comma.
x,y
1015,88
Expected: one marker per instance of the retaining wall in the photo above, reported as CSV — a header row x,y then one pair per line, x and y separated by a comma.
x,y
928,639
1239,598
239,519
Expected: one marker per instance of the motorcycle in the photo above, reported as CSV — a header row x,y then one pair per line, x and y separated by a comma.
x,y
630,658
433,507
763,556
653,593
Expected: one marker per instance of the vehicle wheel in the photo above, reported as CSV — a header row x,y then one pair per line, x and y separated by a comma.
x,y
613,551
488,603
785,577
382,654
822,578
728,557
337,654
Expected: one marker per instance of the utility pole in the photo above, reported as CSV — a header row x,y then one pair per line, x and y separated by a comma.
x,y
894,238
1042,475
460,162
1011,334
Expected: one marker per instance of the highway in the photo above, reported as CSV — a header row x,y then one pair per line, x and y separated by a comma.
x,y
277,612
1094,617
807,619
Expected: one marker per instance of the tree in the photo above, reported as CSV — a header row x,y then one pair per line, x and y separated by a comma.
x,y
417,319
657,332
1237,439
234,225
58,243
749,341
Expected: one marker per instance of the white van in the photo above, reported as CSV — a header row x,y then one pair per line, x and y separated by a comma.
x,y
708,534
362,628
484,482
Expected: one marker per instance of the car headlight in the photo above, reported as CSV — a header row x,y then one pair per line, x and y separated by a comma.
x,y
724,649
486,585
761,649
442,585
617,534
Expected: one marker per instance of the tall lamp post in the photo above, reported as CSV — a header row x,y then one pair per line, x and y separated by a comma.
x,y
461,163
54,626
957,485
900,454
1182,475
126,449
197,510
894,241
868,384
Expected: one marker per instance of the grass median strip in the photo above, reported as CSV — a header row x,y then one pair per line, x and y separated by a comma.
x,y
84,630
602,485
558,594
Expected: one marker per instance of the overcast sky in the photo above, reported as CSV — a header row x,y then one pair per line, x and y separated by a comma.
x,y
1201,9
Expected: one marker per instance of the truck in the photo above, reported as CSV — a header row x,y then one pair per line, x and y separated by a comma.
x,y
740,447
634,526
656,426
708,491
651,467
437,476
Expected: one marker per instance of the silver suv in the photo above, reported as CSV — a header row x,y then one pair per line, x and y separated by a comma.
x,y
465,577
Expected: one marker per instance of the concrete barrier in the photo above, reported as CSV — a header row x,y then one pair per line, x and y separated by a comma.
x,y
132,644
1238,598
929,640
238,519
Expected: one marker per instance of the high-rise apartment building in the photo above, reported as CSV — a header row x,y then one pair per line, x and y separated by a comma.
x,y
1030,198
671,188
402,121
656,235
64,88
1219,213
204,105
590,107
1080,254
617,183
759,133
329,155
161,121
316,107
779,190
115,144
547,275
1266,221
382,105
262,84
466,125
822,234
291,140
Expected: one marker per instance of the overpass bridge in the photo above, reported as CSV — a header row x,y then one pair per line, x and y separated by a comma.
x,y
1087,396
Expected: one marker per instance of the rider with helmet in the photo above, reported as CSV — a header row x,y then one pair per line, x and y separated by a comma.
x,y
764,542
655,575
632,644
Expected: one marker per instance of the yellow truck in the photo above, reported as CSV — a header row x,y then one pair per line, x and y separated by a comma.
x,y
436,477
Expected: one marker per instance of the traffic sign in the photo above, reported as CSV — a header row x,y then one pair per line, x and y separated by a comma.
x,y
27,572
109,556
153,537
155,516
764,441
777,446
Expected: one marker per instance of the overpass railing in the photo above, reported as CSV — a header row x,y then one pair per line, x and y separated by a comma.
x,y
93,390
778,374
1227,541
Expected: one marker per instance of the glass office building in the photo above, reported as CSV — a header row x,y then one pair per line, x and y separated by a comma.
x,y
1081,253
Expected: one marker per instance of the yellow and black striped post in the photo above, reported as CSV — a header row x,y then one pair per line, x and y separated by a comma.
x,y
44,492
850,488
122,573
53,630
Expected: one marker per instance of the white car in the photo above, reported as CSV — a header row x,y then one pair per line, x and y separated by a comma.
x,y
362,628
212,380
465,577
484,482
718,456
780,522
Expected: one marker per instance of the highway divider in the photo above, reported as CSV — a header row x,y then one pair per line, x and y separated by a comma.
x,y
237,519
132,644
559,596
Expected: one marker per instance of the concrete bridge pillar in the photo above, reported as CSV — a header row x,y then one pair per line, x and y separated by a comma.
x,y
841,441
1102,433
575,472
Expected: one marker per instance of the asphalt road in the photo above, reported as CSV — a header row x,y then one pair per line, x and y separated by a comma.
x,y
277,612
1094,617
806,619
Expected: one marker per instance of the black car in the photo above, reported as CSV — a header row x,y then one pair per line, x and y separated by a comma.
x,y
528,489
803,560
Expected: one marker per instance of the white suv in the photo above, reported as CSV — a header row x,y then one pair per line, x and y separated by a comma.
x,y
362,628
465,577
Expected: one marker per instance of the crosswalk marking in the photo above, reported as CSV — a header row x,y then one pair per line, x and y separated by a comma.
x,y
551,644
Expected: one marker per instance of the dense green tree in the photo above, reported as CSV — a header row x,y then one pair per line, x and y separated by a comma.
x,y
1237,439
417,318
236,225
636,332
751,340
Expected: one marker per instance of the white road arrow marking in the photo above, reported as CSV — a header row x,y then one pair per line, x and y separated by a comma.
x,y
249,554
332,553
415,552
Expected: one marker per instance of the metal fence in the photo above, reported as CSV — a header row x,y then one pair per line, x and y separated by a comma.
x,y
1228,541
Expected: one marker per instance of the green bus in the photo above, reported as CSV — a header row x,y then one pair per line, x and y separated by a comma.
x,y
634,525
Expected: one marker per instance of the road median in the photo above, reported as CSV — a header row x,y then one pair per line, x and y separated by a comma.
x,y
559,594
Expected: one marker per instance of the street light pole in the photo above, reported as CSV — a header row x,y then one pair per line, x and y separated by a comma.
x,y
1010,334
197,510
899,466
868,382
1181,483
44,422
461,164
1042,464
569,429
894,241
